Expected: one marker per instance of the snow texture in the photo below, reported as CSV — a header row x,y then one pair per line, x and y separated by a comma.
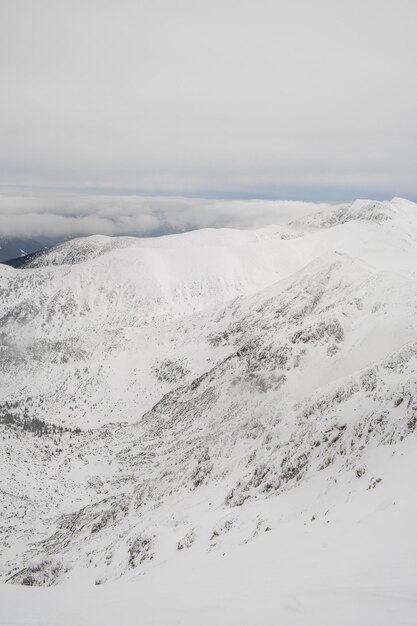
x,y
213,428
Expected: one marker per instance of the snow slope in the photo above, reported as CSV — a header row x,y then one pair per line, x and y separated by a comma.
x,y
225,420
351,564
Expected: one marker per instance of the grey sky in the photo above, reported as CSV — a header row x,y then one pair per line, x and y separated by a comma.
x,y
270,98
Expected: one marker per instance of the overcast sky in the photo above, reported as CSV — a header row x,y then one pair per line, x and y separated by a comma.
x,y
291,99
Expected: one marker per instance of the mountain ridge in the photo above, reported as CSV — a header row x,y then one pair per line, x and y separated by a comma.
x,y
187,405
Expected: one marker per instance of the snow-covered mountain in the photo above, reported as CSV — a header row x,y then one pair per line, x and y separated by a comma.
x,y
225,410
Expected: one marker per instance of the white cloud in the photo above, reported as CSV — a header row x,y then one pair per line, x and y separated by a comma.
x,y
60,215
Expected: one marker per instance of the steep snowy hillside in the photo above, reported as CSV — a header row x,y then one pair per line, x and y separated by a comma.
x,y
220,410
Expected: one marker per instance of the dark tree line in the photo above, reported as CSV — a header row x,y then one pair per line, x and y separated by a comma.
x,y
32,425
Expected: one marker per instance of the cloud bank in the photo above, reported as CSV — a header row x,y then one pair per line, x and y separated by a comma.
x,y
67,215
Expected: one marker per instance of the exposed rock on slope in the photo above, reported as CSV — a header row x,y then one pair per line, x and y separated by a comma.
x,y
152,391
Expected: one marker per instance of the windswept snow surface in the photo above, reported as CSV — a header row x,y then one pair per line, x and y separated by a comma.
x,y
213,428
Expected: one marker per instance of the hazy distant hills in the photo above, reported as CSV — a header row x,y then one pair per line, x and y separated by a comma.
x,y
15,247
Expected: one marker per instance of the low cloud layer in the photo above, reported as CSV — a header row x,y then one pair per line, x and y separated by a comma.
x,y
68,215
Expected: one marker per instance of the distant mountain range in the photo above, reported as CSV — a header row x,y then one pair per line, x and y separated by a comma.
x,y
19,251
14,248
